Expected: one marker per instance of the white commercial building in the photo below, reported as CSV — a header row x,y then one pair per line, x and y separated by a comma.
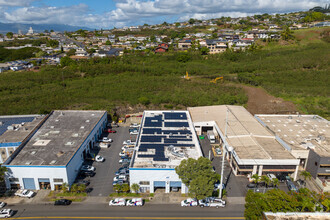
x,y
56,151
250,147
165,139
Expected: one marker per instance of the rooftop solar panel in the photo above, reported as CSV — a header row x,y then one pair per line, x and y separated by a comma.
x,y
175,116
176,124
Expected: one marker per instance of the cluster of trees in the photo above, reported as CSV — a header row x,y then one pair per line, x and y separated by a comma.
x,y
20,54
314,16
277,200
75,188
199,176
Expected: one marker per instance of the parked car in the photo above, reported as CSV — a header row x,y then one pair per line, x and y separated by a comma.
x,y
189,202
120,177
128,142
291,186
85,173
217,186
215,199
251,185
24,193
6,213
271,176
122,154
126,160
122,172
134,125
111,131
211,203
2,204
87,168
117,202
135,132
218,151
104,145
134,202
107,140
99,158
118,182
63,202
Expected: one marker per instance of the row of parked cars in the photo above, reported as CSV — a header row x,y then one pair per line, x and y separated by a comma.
x,y
124,202
207,202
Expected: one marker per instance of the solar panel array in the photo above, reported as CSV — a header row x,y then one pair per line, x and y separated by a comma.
x,y
160,131
10,121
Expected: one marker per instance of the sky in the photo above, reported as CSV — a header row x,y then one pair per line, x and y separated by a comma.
x,y
119,13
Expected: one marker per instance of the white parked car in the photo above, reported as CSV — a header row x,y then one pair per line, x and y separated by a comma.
x,y
99,158
120,177
128,142
122,154
271,176
6,213
117,202
107,140
189,202
24,193
87,168
134,132
2,204
135,125
212,202
134,202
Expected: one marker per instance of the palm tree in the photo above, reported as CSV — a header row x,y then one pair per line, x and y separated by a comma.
x,y
276,182
81,188
256,178
74,188
306,175
266,180
135,187
65,187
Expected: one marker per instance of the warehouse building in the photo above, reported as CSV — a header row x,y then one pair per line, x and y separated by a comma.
x,y
14,130
249,147
55,153
164,140
307,138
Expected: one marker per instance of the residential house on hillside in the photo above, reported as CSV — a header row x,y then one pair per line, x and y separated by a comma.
x,y
184,44
216,46
163,47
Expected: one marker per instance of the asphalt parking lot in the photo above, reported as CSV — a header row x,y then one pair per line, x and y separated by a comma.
x,y
101,183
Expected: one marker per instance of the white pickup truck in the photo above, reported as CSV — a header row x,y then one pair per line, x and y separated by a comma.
x,y
24,193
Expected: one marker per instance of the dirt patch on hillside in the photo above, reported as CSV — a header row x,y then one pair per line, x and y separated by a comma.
x,y
260,102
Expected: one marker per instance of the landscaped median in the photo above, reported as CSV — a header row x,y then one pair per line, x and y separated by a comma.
x,y
73,196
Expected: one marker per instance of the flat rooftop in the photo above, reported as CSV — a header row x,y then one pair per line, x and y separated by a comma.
x,y
245,134
301,132
15,128
58,138
165,139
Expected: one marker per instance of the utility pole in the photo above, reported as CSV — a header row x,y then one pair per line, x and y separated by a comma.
x,y
223,157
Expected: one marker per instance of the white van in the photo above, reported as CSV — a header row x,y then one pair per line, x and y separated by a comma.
x,y
211,136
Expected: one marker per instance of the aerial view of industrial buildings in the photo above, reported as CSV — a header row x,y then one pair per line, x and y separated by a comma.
x,y
162,157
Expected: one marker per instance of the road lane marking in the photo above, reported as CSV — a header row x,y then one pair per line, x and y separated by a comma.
x,y
69,217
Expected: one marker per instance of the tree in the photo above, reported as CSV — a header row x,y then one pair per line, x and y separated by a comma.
x,y
275,182
3,170
41,54
256,178
65,187
117,188
204,50
125,187
326,203
66,61
266,180
74,188
198,176
306,175
81,188
191,21
9,34
287,34
107,42
71,52
135,187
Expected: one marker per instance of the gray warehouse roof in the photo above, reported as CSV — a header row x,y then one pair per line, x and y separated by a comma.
x,y
58,138
250,140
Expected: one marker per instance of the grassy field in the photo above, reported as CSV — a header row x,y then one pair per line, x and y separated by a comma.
x,y
296,71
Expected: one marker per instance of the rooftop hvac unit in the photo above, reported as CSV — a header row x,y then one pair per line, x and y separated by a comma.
x,y
10,127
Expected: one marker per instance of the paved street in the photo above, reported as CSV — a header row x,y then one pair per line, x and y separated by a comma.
x,y
149,211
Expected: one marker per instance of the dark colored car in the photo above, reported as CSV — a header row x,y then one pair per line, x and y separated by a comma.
x,y
63,202
87,173
251,185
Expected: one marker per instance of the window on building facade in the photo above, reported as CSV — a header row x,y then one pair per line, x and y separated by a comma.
x,y
144,183
58,180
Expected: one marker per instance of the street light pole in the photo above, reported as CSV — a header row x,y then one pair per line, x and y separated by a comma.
x,y
223,157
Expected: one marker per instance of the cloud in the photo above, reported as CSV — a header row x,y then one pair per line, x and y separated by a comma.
x,y
12,3
131,12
